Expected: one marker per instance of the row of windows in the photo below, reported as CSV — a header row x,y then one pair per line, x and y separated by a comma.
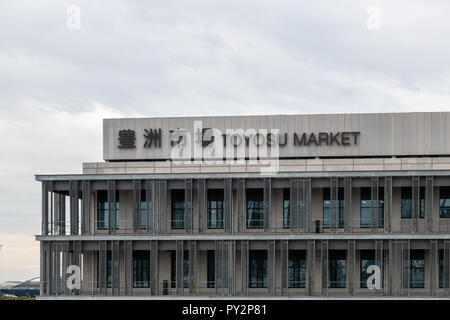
x,y
255,208
296,269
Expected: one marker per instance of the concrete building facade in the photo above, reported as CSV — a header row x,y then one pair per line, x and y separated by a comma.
x,y
177,210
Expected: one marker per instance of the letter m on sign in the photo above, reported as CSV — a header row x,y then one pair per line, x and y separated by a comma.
x,y
152,137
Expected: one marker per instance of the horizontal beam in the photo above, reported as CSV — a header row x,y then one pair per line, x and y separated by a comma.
x,y
264,236
169,176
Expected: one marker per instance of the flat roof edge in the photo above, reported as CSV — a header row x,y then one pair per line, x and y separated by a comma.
x,y
243,175
282,114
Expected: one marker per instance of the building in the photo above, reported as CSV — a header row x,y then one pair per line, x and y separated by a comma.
x,y
285,205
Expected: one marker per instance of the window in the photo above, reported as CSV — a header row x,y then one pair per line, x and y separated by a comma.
x,y
143,224
257,269
178,209
367,259
336,269
173,269
416,269
215,208
211,266
444,202
441,269
255,209
407,202
366,207
297,269
328,204
102,210
141,269
108,269
286,208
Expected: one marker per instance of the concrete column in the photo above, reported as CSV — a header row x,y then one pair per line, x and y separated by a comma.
x,y
351,267
415,192
74,258
54,269
157,228
271,263
446,248
102,265
162,206
228,205
395,268
374,192
115,261
267,184
218,265
136,205
51,212
311,267
129,275
57,272
284,253
45,222
85,207
74,191
405,256
231,267
179,267
152,222
193,267
49,268
111,206
348,217
225,268
242,206
202,205
379,261
188,205
334,209
149,198
434,267
43,268
65,265
294,207
387,203
429,196
244,267
324,260
154,267
307,208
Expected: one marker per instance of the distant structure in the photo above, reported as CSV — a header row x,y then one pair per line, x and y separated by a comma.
x,y
29,288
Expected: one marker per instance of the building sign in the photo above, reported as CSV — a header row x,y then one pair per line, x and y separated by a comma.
x,y
295,136
153,138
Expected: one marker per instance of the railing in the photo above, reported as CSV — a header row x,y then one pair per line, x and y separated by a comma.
x,y
200,288
399,226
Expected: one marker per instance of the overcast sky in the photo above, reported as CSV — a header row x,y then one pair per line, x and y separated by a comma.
x,y
180,58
